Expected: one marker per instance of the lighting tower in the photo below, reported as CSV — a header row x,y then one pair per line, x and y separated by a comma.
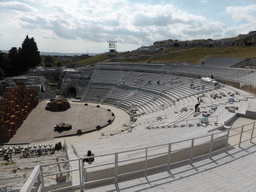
x,y
112,48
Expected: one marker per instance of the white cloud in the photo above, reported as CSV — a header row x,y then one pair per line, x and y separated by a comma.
x,y
49,37
135,24
98,21
204,1
17,6
244,16
239,13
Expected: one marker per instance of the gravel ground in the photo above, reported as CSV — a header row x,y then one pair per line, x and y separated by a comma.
x,y
14,174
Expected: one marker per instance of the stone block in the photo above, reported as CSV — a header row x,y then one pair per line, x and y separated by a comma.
x,y
205,114
232,110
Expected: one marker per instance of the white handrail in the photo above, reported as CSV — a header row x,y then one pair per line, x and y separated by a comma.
x,y
31,179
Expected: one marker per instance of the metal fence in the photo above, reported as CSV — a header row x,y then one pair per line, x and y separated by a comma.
x,y
115,167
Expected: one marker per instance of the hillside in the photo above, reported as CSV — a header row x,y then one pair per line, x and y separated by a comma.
x,y
196,54
192,55
94,59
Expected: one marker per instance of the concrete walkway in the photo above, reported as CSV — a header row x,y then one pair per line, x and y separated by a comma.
x,y
231,171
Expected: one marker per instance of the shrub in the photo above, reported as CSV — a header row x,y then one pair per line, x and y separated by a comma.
x,y
48,65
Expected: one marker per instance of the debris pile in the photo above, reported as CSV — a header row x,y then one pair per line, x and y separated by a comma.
x,y
57,105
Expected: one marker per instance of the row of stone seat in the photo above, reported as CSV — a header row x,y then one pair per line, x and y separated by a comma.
x,y
221,62
137,99
248,79
134,140
96,94
142,101
145,103
224,116
207,71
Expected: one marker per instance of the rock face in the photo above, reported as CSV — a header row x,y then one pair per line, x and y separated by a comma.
x,y
57,105
16,104
246,40
241,40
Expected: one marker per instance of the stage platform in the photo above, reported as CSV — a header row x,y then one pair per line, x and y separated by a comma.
x,y
39,125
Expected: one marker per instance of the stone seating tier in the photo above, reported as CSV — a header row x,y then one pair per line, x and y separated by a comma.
x,y
111,77
96,94
222,62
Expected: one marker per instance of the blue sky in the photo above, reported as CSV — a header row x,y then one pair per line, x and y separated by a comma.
x,y
85,26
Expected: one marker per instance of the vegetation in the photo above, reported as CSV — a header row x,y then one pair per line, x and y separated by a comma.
x,y
5,65
48,65
30,56
2,74
48,59
196,54
94,59
53,86
18,61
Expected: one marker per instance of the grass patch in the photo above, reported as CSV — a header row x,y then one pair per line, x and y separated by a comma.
x,y
170,49
194,55
94,59
175,54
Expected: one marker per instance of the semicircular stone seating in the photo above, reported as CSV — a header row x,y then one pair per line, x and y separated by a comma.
x,y
164,109
150,96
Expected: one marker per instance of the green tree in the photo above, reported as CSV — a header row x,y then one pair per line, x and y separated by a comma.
x,y
48,65
5,63
48,59
42,60
15,59
30,56
2,74
59,64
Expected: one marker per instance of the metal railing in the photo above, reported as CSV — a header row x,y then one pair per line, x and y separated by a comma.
x,y
112,167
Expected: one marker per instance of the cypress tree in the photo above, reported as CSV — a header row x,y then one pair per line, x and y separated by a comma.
x,y
30,56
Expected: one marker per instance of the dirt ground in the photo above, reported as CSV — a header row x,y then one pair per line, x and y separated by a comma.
x,y
39,125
